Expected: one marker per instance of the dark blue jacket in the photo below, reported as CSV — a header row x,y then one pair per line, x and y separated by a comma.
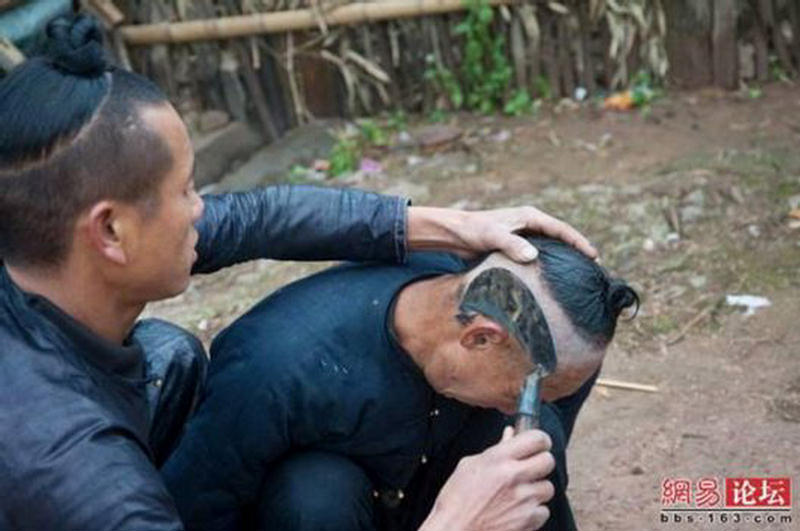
x,y
74,418
314,367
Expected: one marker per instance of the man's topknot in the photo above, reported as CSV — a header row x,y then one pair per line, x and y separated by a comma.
x,y
76,45
62,144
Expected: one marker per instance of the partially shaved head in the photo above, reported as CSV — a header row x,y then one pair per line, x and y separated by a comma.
x,y
72,135
581,304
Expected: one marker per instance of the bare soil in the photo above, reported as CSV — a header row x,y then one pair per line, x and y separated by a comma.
x,y
722,171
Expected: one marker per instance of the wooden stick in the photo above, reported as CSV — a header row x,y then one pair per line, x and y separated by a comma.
x,y
794,20
702,314
630,386
533,36
121,50
564,58
587,66
549,53
284,21
107,11
518,53
770,19
256,93
724,51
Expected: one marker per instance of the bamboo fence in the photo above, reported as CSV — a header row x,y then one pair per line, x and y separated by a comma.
x,y
287,61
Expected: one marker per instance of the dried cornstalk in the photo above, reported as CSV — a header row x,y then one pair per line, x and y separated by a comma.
x,y
368,66
347,76
518,53
527,13
300,110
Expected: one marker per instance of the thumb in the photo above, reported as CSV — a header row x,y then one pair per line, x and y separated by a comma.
x,y
508,432
517,248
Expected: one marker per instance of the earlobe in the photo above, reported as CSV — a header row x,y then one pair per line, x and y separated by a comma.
x,y
107,231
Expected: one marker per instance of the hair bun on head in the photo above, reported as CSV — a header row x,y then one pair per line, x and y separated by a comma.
x,y
621,296
76,45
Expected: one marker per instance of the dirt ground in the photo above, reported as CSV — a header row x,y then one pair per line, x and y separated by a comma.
x,y
689,202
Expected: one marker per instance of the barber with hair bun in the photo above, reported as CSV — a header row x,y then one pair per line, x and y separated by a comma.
x,y
99,216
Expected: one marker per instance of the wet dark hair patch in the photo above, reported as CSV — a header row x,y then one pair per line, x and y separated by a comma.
x,y
591,298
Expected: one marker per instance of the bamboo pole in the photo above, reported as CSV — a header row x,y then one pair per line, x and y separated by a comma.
x,y
108,12
284,21
630,386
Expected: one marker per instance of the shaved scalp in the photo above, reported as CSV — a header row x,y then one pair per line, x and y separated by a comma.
x,y
71,136
589,297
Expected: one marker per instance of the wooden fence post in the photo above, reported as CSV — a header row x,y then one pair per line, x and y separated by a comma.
x,y
724,45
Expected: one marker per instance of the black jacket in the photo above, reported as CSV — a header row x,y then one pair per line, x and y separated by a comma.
x,y
74,418
314,366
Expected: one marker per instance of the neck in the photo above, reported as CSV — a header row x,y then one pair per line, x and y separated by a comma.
x,y
419,324
78,293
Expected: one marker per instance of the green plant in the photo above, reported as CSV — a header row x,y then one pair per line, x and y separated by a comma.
x,y
542,87
373,133
438,116
643,90
397,121
443,81
344,156
485,69
776,70
754,93
297,174
520,103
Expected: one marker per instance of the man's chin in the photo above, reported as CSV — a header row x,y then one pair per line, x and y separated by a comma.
x,y
174,290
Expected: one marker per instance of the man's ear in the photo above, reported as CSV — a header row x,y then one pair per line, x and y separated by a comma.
x,y
482,333
107,229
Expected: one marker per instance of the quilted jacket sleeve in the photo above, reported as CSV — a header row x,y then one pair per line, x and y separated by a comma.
x,y
300,223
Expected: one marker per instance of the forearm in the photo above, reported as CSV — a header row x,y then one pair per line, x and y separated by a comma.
x,y
436,228
300,223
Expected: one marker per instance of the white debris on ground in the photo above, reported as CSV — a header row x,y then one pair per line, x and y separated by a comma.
x,y
751,302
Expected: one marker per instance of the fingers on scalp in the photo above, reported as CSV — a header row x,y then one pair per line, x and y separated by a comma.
x,y
562,230
521,248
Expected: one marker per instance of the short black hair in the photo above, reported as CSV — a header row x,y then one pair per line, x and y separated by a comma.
x,y
71,135
591,298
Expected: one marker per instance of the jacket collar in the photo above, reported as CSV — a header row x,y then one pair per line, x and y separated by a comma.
x,y
36,312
